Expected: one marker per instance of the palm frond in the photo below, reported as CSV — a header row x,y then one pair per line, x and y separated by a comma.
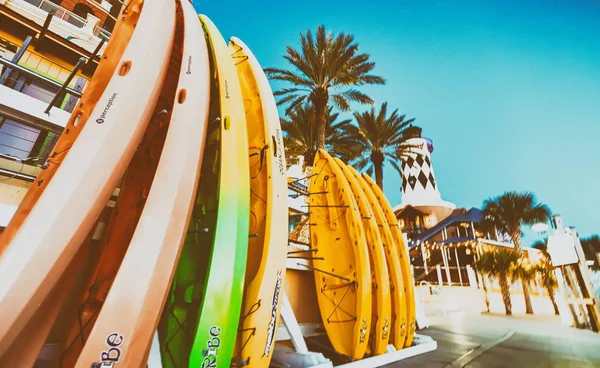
x,y
323,68
340,102
511,210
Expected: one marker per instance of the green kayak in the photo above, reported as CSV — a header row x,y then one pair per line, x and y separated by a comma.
x,y
201,316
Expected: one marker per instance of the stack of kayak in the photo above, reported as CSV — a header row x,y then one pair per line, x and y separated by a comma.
x,y
362,272
192,254
185,267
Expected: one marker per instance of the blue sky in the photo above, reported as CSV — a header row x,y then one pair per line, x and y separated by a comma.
x,y
508,90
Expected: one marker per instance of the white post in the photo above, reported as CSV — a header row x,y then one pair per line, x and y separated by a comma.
x,y
439,275
446,264
424,258
472,277
291,325
458,266
566,314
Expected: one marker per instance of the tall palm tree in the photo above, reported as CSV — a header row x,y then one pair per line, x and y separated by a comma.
x,y
499,264
324,70
379,138
299,134
508,213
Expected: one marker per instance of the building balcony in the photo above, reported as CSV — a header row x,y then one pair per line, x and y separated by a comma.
x,y
83,32
28,128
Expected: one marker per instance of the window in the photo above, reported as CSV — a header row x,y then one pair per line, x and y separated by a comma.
x,y
293,222
38,90
17,139
48,144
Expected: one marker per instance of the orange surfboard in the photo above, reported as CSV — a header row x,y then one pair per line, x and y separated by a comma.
x,y
56,225
133,193
122,335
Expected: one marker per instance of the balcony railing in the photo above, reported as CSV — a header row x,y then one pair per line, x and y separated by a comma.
x,y
102,33
59,12
68,16
35,85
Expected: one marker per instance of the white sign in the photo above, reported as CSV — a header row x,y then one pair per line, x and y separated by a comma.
x,y
562,249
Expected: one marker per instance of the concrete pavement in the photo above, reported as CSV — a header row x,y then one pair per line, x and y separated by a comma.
x,y
493,340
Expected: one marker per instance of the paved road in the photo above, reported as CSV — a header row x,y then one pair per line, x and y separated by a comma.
x,y
490,341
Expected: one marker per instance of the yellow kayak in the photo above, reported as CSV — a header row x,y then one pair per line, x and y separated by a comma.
x,y
341,261
399,310
267,247
380,282
402,252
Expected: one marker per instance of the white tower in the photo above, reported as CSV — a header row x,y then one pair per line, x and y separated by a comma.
x,y
419,187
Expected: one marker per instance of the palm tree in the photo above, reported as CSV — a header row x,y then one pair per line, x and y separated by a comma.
x,y
482,273
324,70
591,247
548,279
507,213
299,134
378,139
523,271
545,270
499,264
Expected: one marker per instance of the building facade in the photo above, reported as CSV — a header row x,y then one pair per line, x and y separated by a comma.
x,y
49,51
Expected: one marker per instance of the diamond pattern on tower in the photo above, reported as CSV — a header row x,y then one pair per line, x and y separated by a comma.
x,y
403,183
427,161
423,179
432,180
420,160
410,161
412,181
403,165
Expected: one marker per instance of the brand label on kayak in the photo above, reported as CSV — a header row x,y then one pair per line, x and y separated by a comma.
x,y
112,355
189,68
212,346
226,89
403,327
280,154
109,104
363,331
272,326
385,329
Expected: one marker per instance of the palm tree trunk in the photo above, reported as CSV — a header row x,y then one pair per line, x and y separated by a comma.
x,y
379,175
377,158
309,158
516,238
485,292
321,112
553,300
504,287
527,296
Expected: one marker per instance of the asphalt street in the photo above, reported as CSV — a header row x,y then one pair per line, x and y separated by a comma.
x,y
488,341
